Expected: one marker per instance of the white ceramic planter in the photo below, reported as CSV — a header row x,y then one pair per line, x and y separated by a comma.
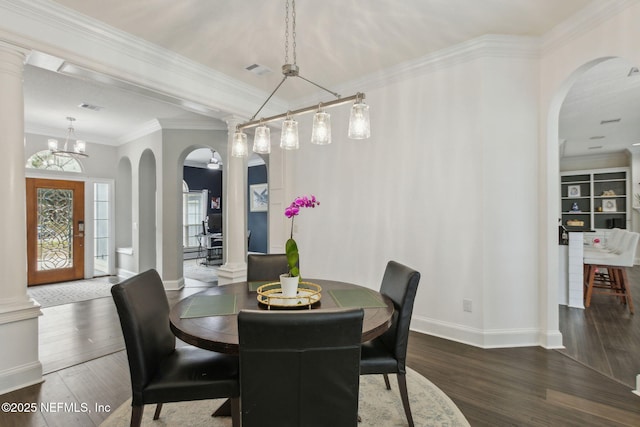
x,y
289,285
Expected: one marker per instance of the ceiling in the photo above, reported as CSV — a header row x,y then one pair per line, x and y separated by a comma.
x,y
338,41
610,93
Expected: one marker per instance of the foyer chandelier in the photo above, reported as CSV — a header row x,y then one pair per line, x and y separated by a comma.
x,y
214,163
359,127
78,148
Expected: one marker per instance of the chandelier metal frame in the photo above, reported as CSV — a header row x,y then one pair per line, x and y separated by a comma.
x,y
359,109
79,145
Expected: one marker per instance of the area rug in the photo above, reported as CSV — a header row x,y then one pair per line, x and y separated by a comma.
x,y
194,269
378,407
100,287
69,292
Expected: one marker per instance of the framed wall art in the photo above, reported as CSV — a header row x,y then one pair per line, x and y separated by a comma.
x,y
258,197
609,205
573,191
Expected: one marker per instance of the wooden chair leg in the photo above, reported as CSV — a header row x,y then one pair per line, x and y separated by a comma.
x,y
156,414
136,415
235,412
625,285
585,274
618,284
386,381
590,279
402,385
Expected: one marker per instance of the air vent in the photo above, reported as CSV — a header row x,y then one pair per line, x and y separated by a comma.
x,y
595,147
90,107
258,69
597,137
606,122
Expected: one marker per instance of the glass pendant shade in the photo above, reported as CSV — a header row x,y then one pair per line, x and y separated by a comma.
x,y
289,136
262,140
79,146
239,146
321,131
52,144
359,121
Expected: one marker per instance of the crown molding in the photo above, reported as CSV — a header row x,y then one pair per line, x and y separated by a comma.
x,y
487,46
583,21
192,124
145,129
156,125
56,30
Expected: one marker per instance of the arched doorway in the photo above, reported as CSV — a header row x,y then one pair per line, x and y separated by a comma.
x,y
592,125
202,204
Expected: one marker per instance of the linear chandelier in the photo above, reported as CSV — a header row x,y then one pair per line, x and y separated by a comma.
x,y
79,146
359,127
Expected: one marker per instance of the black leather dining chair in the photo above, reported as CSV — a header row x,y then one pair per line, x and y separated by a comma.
x,y
387,354
264,267
160,372
299,368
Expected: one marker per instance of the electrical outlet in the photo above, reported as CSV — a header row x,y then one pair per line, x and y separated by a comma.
x,y
467,305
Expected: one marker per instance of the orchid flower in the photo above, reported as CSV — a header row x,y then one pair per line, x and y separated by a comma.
x,y
291,247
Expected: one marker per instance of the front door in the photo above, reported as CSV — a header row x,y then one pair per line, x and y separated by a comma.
x,y
55,230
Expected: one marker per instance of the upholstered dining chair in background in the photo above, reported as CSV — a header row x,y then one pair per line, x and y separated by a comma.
x,y
300,368
263,267
387,354
160,372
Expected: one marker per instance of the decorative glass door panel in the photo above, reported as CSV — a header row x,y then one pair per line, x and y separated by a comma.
x,y
55,230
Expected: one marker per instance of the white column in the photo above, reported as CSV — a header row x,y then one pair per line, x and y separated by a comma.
x,y
235,213
19,364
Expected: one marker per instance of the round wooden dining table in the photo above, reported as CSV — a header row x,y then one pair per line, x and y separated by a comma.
x,y
220,332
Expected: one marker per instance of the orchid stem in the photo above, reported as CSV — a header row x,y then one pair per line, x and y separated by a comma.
x,y
291,237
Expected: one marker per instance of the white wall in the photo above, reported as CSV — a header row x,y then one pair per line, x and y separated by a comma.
x,y
133,151
177,144
99,164
446,185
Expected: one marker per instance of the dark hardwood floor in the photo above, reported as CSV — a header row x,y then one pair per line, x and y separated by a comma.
x,y
606,336
82,352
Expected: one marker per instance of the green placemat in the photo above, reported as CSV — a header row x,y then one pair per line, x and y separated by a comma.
x,y
210,305
253,286
347,298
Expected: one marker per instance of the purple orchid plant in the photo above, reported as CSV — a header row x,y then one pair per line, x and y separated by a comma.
x,y
291,248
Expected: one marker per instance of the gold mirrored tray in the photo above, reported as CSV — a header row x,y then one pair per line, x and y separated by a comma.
x,y
270,295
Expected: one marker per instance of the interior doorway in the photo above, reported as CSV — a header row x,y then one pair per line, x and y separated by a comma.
x,y
55,230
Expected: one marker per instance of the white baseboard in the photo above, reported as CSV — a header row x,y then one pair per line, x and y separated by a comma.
x,y
173,285
125,273
230,273
20,377
477,337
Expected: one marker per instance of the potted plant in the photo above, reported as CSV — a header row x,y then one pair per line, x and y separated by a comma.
x,y
290,281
